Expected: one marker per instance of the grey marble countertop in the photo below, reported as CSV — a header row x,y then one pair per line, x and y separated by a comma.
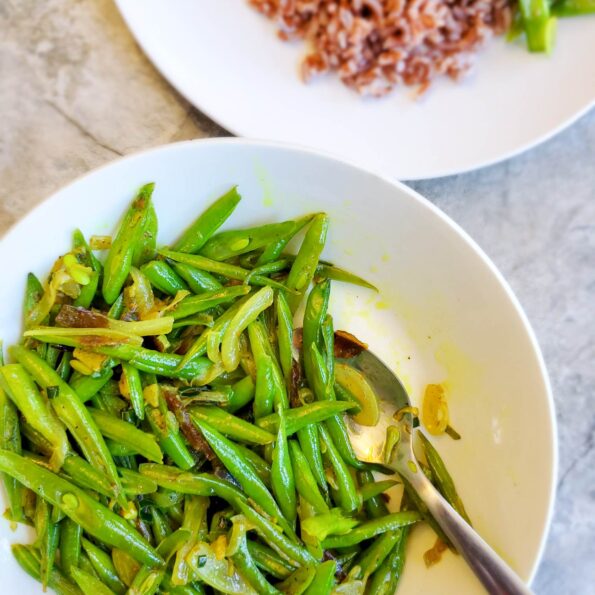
x,y
76,92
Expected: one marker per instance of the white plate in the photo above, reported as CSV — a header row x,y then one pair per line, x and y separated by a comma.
x,y
443,314
225,58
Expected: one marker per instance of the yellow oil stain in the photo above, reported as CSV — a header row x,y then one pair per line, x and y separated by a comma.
x,y
382,305
463,373
373,268
265,185
385,257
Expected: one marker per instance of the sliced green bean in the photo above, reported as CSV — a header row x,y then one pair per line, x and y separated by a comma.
x,y
205,301
119,259
70,546
197,280
163,277
147,246
304,479
369,529
196,236
104,567
282,475
231,426
128,435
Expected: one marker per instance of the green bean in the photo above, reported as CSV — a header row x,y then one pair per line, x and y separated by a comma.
x,y
95,519
314,315
348,498
303,269
198,484
330,271
285,336
52,355
205,301
264,392
64,368
324,579
384,581
272,387
76,469
374,489
443,479
85,257
70,545
261,467
232,243
171,442
299,581
163,277
196,236
374,505
20,388
323,388
33,293
309,440
249,312
104,567
135,484
274,250
160,525
146,360
343,394
243,471
197,280
242,393
48,537
230,425
28,559
146,248
134,388
304,479
571,8
274,537
282,475
300,417
89,584
117,308
372,557
369,529
86,387
242,559
10,439
119,259
225,269
71,412
266,559
127,434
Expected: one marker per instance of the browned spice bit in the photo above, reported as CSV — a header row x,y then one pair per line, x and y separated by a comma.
x,y
73,317
348,345
298,338
294,384
190,431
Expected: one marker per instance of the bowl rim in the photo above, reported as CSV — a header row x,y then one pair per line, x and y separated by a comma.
x,y
411,194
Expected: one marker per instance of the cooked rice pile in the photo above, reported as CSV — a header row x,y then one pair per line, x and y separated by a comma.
x,y
375,45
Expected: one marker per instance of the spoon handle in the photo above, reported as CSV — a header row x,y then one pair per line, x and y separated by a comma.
x,y
495,575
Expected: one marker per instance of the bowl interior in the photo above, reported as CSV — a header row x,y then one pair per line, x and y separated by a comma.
x,y
443,314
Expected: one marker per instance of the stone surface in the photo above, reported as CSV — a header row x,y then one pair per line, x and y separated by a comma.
x,y
75,92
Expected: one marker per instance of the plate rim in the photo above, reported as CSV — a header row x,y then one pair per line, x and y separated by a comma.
x,y
183,88
412,195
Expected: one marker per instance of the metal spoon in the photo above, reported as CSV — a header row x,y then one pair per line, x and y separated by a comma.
x,y
495,575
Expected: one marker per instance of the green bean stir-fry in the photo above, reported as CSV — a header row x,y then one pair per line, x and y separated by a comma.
x,y
165,428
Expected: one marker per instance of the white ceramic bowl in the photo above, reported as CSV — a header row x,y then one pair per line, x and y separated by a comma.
x,y
443,314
